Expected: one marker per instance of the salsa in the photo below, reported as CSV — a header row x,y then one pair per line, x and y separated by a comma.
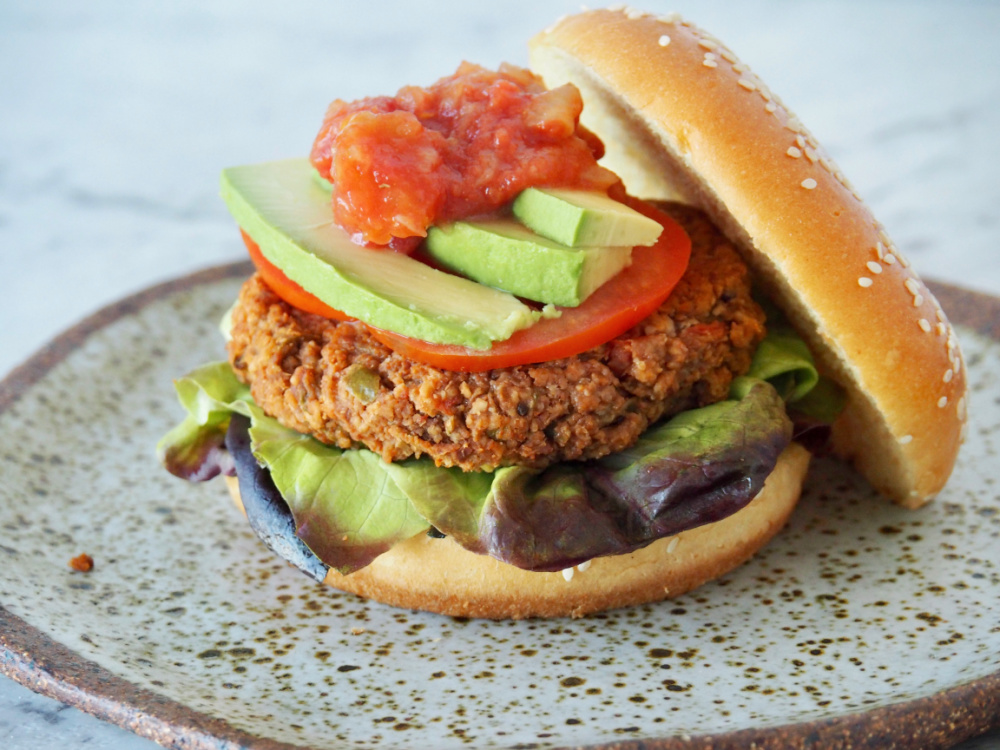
x,y
466,145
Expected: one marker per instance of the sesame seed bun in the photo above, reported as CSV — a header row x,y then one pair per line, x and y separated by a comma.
x,y
437,575
681,116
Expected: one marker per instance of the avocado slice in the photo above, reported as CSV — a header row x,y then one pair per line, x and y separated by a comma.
x,y
507,255
287,212
582,218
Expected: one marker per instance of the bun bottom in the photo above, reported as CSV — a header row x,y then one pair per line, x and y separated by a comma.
x,y
437,575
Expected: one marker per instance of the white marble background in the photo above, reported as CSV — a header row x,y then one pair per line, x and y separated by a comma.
x,y
116,117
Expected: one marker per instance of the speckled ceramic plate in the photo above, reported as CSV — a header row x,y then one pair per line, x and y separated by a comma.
x,y
862,624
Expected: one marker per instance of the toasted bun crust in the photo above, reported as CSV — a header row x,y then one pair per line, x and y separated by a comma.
x,y
438,575
680,115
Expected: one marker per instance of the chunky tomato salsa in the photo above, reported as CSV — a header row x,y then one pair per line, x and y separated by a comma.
x,y
466,145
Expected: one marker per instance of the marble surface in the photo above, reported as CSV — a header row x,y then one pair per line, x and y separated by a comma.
x,y
116,119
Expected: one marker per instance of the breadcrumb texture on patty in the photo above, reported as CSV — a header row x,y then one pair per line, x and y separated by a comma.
x,y
304,370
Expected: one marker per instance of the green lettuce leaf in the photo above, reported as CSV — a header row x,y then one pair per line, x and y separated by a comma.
x,y
784,360
346,507
194,449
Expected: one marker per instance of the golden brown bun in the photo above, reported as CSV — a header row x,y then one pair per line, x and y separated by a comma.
x,y
680,115
438,575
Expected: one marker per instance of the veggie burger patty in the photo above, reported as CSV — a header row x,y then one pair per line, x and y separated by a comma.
x,y
333,380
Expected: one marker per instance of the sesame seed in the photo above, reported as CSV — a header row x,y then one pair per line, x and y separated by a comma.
x,y
634,14
800,141
669,18
673,545
728,56
795,125
826,164
962,413
770,107
865,282
939,311
890,258
584,565
906,439
903,261
874,267
880,250
918,300
811,155
942,329
740,68
942,402
912,286
924,325
809,183
708,63
793,152
747,84
708,44
948,375
764,93
664,40
568,574
884,237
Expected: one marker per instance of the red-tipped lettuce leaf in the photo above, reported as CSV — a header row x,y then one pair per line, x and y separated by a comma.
x,y
698,467
266,510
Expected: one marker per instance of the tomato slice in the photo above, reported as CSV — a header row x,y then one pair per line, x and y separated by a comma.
x,y
287,289
616,306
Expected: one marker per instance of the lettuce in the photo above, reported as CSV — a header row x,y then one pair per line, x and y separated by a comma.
x,y
195,449
348,506
266,509
784,360
698,467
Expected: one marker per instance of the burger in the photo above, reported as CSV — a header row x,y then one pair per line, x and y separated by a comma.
x,y
548,343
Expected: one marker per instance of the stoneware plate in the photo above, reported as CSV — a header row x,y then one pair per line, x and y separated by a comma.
x,y
861,625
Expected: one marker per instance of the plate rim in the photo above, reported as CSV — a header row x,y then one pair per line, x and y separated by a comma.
x,y
50,668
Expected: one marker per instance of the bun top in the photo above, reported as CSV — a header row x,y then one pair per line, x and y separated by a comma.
x,y
682,117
